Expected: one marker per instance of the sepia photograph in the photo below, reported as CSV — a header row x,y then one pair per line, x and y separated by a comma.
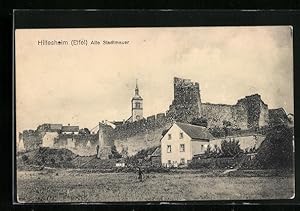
x,y
154,114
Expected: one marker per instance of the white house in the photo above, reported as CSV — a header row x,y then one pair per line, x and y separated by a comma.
x,y
182,142
70,129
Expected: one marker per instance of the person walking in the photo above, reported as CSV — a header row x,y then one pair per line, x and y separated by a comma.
x,y
141,173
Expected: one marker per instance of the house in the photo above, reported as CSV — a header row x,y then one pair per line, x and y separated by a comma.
x,y
70,129
183,141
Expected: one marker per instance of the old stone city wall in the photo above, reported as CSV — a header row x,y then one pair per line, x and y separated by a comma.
x,y
217,113
146,133
33,139
249,112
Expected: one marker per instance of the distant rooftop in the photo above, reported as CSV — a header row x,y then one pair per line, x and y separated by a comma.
x,y
70,128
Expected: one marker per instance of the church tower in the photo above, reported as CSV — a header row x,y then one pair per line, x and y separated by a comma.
x,y
136,105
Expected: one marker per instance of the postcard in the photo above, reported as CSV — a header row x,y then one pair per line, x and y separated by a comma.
x,y
154,114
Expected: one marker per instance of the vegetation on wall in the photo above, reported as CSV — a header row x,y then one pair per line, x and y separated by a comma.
x,y
200,121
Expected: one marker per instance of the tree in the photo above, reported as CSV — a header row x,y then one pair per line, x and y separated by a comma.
x,y
276,151
200,121
230,148
84,131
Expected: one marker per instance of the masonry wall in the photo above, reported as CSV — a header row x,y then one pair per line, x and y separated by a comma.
x,y
48,139
216,114
32,139
246,142
249,112
142,134
78,143
187,101
264,115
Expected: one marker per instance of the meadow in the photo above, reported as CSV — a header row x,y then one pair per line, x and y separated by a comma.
x,y
61,185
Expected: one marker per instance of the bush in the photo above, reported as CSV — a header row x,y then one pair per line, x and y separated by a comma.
x,y
212,163
212,153
230,148
200,164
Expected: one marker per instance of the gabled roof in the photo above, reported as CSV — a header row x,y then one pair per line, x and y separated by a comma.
x,y
70,128
195,131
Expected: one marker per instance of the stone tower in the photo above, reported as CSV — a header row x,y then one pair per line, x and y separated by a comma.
x,y
257,111
136,105
187,101
104,146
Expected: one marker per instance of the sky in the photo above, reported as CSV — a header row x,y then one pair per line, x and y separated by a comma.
x,y
82,85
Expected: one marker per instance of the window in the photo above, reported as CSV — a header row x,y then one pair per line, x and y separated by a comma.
x,y
182,161
169,136
202,147
181,135
182,149
137,105
169,148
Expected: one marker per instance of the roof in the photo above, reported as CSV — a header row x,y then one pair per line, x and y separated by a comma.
x,y
151,150
70,128
195,131
117,123
157,152
55,126
137,97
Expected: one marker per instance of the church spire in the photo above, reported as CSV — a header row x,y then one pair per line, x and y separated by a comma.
x,y
136,88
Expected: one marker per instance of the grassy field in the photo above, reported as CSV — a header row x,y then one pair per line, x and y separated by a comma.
x,y
80,186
